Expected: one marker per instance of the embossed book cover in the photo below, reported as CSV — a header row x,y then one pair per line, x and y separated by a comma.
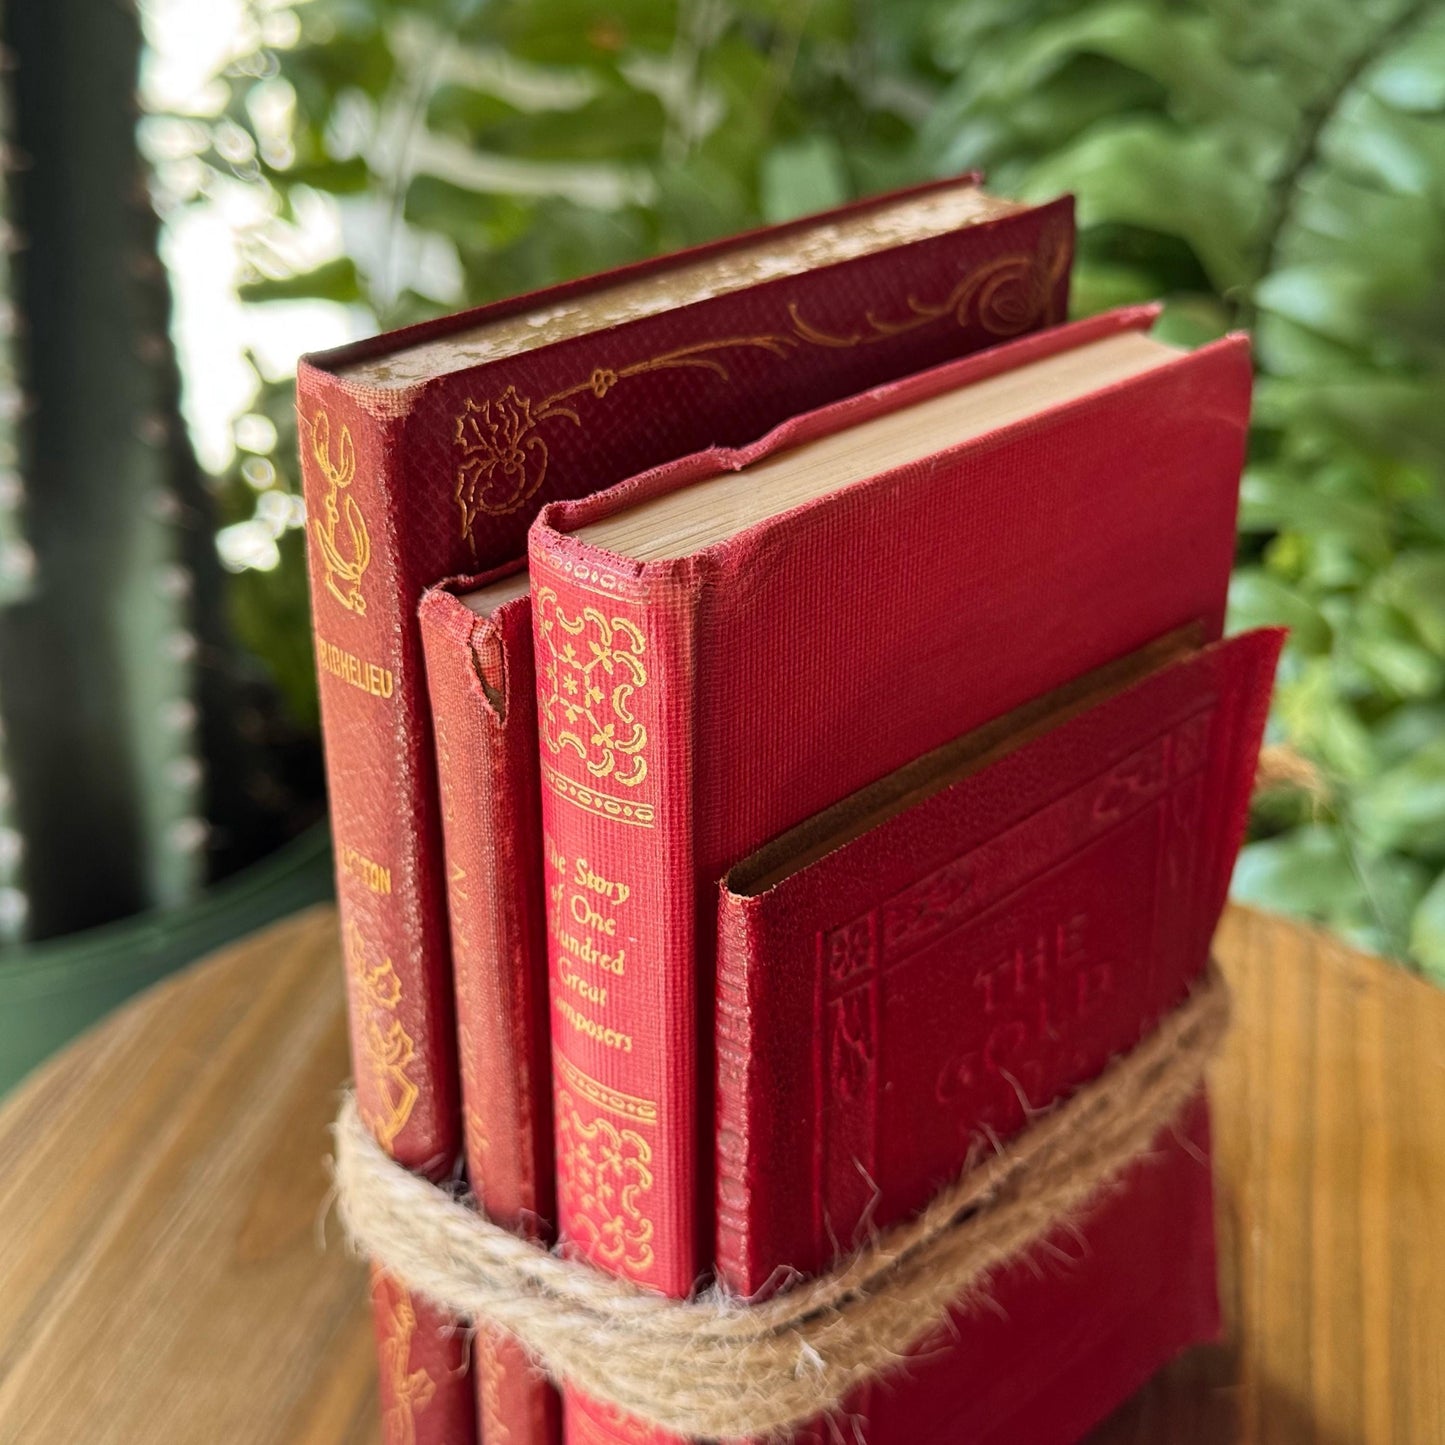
x,y
730,644
904,979
427,453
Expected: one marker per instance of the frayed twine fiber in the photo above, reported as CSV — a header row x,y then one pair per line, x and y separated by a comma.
x,y
1281,766
719,1366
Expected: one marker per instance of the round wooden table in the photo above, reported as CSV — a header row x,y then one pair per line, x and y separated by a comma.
x,y
169,1273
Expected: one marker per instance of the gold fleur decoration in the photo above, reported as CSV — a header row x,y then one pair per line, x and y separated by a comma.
x,y
591,667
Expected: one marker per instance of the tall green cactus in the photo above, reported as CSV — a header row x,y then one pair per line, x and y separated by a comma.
x,y
123,719
16,559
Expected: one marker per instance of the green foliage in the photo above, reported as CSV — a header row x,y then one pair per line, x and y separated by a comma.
x,y
1279,167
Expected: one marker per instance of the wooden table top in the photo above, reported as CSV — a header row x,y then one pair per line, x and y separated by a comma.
x,y
168,1272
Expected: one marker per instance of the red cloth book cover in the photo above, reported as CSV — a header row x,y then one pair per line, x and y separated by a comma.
x,y
409,479
908,997
692,709
482,690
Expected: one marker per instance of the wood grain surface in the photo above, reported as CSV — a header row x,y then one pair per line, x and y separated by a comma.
x,y
168,1273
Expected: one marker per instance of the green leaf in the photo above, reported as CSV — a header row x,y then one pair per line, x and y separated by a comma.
x,y
1427,930
1185,53
1333,300
1149,174
1307,871
331,281
1258,600
1404,807
1314,714
1415,584
335,177
1412,76
1397,668
802,176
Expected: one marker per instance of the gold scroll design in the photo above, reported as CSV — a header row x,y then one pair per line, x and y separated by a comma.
x,y
505,457
409,1390
389,1051
591,667
605,1175
1006,296
344,568
504,460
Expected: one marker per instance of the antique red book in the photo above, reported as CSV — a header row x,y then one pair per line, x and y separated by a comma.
x,y
904,977
477,641
727,645
426,454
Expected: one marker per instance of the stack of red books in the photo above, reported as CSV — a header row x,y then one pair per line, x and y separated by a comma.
x,y
779,737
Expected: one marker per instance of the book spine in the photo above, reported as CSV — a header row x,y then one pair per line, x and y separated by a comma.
x,y
739,1070
388,896
614,659
482,687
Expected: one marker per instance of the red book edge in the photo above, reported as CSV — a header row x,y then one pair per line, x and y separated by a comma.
x,y
481,683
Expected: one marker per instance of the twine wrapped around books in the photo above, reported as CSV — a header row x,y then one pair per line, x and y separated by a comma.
x,y
719,1366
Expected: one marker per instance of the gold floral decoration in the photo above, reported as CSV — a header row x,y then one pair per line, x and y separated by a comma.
x,y
504,461
390,1093
591,667
605,1173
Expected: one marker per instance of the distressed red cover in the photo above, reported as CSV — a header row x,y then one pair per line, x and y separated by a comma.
x,y
482,689
689,710
902,1000
442,478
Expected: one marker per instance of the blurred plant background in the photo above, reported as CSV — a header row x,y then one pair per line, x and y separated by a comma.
x,y
347,165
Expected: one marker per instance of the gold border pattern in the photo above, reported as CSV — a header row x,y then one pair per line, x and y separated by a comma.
x,y
628,1106
593,800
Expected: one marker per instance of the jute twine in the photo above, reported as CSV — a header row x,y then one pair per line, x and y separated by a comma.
x,y
1281,766
719,1366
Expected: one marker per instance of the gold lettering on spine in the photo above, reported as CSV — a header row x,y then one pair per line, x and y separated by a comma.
x,y
344,570
368,677
373,876
604,1169
493,1371
592,1029
582,920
